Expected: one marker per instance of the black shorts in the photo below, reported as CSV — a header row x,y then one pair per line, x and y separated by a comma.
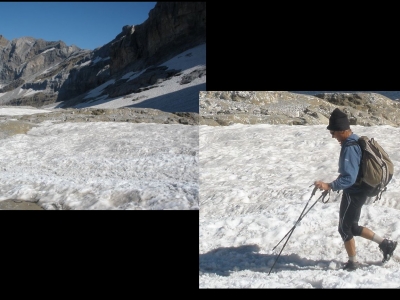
x,y
349,215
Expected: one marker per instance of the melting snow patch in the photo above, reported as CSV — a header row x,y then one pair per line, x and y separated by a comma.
x,y
47,50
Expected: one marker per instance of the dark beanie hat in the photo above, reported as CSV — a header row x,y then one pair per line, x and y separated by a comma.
x,y
338,121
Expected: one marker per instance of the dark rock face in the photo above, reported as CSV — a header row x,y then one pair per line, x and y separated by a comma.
x,y
163,35
60,72
281,107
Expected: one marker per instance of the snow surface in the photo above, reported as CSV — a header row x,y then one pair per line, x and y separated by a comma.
x,y
109,165
255,182
102,165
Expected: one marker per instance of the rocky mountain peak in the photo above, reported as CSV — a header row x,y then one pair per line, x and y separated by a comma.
x,y
3,41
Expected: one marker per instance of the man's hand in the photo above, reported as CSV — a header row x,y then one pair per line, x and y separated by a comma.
x,y
322,185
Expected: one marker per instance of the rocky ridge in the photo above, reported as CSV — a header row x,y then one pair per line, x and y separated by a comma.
x,y
221,108
21,124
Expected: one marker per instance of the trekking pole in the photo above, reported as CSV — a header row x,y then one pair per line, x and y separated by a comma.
x,y
298,221
312,194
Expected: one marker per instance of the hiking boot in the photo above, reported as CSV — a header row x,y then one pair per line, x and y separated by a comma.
x,y
387,247
351,265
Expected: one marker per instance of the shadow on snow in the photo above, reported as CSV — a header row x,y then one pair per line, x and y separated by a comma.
x,y
223,261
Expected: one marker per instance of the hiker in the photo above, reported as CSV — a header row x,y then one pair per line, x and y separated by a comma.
x,y
354,196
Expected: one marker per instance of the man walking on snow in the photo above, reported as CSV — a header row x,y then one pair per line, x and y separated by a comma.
x,y
353,197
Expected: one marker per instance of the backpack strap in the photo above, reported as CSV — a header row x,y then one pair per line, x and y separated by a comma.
x,y
378,197
359,175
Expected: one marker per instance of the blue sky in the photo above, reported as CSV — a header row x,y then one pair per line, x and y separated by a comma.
x,y
87,25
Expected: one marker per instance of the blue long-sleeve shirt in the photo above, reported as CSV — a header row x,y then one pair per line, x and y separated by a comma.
x,y
349,164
